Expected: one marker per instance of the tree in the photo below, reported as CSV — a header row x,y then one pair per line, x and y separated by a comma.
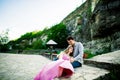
x,y
58,33
4,37
4,40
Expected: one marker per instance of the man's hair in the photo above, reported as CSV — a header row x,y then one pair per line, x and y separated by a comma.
x,y
70,38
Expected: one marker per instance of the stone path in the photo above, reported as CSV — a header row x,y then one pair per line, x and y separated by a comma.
x,y
87,73
25,67
107,61
20,67
112,57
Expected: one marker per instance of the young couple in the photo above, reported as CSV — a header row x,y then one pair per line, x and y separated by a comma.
x,y
68,59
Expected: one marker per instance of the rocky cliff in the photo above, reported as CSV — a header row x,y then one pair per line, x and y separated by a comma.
x,y
96,23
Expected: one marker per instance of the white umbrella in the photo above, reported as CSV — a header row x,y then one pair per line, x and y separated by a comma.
x,y
51,42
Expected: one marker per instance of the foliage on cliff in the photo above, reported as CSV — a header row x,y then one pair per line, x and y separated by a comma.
x,y
38,39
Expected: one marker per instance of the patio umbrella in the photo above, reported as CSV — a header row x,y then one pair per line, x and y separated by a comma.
x,y
51,42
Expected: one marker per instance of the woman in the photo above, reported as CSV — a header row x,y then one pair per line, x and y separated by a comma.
x,y
59,68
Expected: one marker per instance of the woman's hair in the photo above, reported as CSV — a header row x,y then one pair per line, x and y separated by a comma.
x,y
67,49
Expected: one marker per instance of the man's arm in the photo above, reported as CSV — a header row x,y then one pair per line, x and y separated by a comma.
x,y
80,52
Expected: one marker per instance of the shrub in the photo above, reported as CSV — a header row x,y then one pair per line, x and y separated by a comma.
x,y
88,54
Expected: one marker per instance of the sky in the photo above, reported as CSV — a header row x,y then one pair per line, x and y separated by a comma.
x,y
22,16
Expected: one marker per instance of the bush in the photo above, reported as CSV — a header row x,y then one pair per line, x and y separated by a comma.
x,y
88,54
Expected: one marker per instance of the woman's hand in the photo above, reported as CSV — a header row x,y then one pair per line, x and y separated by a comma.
x,y
71,59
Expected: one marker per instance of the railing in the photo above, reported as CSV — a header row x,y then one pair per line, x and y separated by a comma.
x,y
51,54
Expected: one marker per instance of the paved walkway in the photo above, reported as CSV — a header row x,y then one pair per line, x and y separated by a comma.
x,y
112,57
107,61
25,67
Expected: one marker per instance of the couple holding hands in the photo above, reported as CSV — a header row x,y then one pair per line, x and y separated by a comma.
x,y
67,60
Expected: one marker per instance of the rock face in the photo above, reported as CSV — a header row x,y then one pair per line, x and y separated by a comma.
x,y
105,22
96,23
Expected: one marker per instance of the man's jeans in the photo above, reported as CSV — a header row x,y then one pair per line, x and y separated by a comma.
x,y
76,64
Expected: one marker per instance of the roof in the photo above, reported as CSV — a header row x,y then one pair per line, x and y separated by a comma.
x,y
51,42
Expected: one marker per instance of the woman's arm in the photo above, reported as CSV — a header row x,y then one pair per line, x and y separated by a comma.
x,y
60,55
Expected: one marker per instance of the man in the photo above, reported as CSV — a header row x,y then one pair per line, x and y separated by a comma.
x,y
77,59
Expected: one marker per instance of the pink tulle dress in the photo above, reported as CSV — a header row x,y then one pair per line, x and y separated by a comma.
x,y
59,68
